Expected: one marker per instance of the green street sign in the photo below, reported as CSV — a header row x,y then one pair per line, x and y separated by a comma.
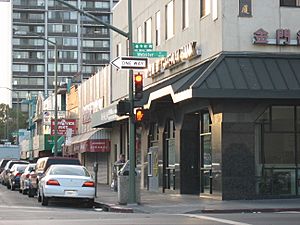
x,y
151,54
142,46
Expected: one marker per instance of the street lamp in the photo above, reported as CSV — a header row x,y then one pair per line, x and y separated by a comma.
x,y
18,108
55,86
128,35
55,89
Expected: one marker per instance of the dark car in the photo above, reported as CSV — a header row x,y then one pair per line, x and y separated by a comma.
x,y
3,162
15,174
5,172
41,166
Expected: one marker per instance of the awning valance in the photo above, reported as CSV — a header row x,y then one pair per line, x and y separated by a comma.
x,y
93,141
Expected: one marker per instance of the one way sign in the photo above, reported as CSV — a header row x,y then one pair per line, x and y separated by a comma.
x,y
128,62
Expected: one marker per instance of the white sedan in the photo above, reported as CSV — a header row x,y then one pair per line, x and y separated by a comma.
x,y
66,182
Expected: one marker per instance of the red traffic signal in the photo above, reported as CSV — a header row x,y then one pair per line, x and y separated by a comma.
x,y
139,115
138,86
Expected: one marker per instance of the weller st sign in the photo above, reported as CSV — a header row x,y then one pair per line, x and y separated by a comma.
x,y
128,62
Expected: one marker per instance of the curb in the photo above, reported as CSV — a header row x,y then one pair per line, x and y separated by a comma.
x,y
253,210
112,208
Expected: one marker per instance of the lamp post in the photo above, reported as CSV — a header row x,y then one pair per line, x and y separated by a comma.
x,y
18,108
55,87
128,35
55,90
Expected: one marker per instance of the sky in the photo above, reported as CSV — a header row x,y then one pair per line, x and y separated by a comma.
x,y
5,51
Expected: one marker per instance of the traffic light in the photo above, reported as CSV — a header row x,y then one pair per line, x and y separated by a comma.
x,y
139,115
138,84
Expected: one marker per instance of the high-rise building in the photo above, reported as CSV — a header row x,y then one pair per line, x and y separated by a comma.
x,y
83,44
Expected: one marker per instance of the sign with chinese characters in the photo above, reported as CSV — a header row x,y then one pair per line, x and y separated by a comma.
x,y
142,46
95,145
245,8
186,52
283,37
63,125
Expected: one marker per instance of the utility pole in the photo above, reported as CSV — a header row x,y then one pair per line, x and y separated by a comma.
x,y
132,191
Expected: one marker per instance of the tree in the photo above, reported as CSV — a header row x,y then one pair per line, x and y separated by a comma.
x,y
8,122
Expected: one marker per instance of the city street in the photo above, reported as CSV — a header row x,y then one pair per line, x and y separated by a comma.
x,y
19,209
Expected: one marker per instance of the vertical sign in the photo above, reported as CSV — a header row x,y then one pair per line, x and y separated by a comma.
x,y
245,8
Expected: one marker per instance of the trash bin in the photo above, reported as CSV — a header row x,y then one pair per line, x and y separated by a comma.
x,y
123,185
116,168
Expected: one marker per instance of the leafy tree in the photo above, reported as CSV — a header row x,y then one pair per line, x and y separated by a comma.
x,y
8,122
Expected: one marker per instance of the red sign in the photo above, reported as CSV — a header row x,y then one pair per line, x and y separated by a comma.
x,y
63,125
96,145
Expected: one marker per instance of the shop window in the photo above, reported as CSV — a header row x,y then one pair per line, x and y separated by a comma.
x,y
278,151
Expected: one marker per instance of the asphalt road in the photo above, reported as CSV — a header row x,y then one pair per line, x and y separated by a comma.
x,y
18,209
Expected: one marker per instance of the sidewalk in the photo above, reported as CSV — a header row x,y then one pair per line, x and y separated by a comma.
x,y
179,204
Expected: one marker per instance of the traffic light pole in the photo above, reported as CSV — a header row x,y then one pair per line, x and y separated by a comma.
x,y
132,191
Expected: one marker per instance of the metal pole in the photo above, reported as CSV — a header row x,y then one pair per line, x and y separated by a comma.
x,y
18,108
55,106
132,191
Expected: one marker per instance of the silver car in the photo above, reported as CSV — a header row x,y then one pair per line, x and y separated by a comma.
x,y
24,180
66,182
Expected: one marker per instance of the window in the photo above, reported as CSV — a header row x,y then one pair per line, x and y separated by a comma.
x,y
278,150
204,7
185,14
214,9
148,31
157,28
291,3
139,35
119,50
170,20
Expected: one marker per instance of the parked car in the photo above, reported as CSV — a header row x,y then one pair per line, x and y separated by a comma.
x,y
67,182
24,180
41,166
14,175
5,172
2,165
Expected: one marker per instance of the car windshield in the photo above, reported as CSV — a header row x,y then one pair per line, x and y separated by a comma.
x,y
21,168
69,170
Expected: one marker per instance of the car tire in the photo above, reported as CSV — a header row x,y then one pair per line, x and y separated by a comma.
x,y
24,192
30,193
90,203
39,196
44,200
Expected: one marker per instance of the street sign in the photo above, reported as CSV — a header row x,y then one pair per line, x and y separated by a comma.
x,y
151,54
142,46
128,62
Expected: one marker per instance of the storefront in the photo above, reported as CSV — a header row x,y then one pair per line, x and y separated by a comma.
x,y
92,147
226,128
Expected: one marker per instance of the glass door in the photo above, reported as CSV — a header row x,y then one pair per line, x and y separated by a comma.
x,y
205,154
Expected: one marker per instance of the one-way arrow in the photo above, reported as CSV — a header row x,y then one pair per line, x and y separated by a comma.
x,y
127,62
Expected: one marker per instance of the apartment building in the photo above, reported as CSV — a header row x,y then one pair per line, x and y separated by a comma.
x,y
83,45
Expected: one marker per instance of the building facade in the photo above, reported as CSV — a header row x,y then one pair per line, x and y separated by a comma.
x,y
83,45
223,105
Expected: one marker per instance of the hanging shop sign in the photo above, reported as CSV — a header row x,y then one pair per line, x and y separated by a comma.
x,y
63,125
283,37
186,52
